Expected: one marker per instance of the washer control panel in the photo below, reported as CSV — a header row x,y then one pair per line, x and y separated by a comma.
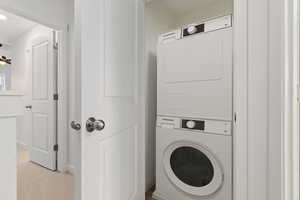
x,y
197,125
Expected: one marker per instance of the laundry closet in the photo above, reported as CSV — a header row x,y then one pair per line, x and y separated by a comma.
x,y
189,59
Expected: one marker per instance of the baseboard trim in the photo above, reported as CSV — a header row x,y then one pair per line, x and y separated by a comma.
x,y
71,169
22,146
157,196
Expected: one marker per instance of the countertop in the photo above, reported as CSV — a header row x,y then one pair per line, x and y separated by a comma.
x,y
11,93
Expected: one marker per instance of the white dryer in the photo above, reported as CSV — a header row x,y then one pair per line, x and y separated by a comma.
x,y
193,159
194,74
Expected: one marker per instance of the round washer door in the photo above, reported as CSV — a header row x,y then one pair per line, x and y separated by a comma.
x,y
193,169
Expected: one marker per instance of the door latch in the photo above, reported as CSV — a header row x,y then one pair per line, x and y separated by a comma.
x,y
75,126
55,97
29,107
55,147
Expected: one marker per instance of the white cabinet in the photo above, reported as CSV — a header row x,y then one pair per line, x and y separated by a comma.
x,y
11,106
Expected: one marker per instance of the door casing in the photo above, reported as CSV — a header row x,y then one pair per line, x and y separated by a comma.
x,y
278,21
291,101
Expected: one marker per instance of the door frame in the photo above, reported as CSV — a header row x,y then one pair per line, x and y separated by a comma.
x,y
240,141
62,85
285,88
291,100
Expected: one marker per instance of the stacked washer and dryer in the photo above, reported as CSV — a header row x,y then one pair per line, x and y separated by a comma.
x,y
194,116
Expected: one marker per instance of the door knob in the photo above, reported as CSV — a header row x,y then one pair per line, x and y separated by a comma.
x,y
75,126
92,124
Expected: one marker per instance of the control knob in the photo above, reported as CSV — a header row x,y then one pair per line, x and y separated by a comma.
x,y
192,29
191,124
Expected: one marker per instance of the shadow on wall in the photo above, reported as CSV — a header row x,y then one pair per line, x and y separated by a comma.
x,y
151,117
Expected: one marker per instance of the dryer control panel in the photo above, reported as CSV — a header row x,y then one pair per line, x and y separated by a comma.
x,y
197,125
196,28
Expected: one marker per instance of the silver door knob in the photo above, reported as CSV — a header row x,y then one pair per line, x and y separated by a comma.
x,y
75,126
94,125
29,107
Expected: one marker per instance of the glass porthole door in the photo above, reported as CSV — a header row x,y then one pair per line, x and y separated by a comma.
x,y
192,166
193,169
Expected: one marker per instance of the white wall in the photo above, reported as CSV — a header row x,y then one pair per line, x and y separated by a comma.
x,y
212,10
158,21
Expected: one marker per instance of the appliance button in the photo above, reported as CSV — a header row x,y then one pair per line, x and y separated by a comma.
x,y
192,29
191,124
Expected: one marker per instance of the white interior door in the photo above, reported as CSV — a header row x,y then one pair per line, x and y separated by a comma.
x,y
112,160
43,86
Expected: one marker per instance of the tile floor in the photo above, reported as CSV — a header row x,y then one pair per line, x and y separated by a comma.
x,y
38,183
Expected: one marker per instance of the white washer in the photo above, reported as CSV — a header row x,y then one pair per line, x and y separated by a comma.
x,y
193,159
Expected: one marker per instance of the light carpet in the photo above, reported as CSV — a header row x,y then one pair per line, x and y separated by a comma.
x,y
38,183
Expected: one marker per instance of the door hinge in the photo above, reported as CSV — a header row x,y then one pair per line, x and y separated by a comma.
x,y
55,46
235,117
55,97
55,147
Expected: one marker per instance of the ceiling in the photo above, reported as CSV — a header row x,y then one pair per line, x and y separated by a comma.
x,y
181,7
13,27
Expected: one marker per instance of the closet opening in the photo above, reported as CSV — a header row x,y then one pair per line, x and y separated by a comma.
x,y
189,66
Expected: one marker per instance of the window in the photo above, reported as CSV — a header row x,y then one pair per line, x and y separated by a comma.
x,y
2,81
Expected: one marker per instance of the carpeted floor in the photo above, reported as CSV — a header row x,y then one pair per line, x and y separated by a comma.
x,y
38,183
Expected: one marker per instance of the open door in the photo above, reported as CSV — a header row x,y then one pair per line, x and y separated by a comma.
x,y
43,108
112,139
